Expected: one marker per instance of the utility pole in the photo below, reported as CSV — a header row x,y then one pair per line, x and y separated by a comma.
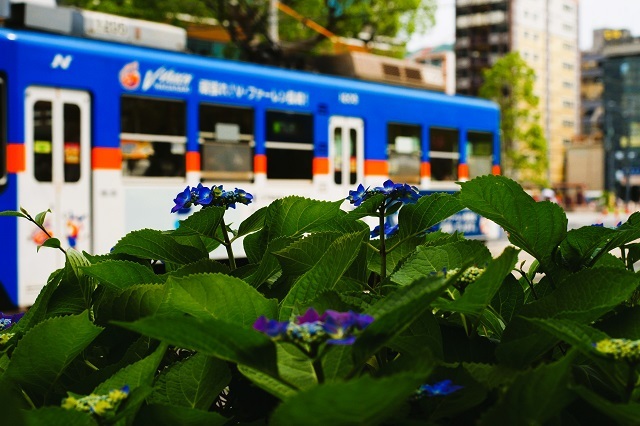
x,y
273,22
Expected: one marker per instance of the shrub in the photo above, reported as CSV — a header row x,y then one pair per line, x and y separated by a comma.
x,y
331,322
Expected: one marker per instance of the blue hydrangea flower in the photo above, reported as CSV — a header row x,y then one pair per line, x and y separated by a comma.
x,y
182,200
214,196
7,321
271,328
389,230
393,192
358,196
332,327
339,326
204,195
443,388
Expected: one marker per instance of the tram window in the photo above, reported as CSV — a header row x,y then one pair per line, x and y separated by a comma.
x,y
42,141
403,149
289,145
153,138
226,142
479,153
3,132
444,154
71,143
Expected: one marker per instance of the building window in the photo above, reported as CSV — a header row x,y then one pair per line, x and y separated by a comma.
x,y
567,84
443,154
567,66
568,104
403,148
226,142
153,138
479,153
567,123
289,145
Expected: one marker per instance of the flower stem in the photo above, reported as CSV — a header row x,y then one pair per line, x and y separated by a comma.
x,y
227,245
383,251
631,381
317,368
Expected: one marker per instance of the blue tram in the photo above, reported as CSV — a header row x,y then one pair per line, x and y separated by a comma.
x,y
106,133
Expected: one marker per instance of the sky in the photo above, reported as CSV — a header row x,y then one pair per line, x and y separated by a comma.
x,y
594,14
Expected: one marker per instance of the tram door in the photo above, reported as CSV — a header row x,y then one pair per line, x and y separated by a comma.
x,y
57,177
346,142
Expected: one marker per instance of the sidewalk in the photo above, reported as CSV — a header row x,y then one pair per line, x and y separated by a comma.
x,y
579,219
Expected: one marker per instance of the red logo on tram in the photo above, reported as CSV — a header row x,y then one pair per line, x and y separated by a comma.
x,y
130,76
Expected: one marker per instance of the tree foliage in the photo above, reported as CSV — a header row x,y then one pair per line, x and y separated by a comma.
x,y
510,83
247,21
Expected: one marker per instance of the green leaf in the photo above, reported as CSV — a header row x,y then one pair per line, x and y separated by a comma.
x,y
202,266
203,222
426,212
46,350
429,259
140,373
300,256
120,274
625,324
293,216
362,401
294,367
129,304
582,297
38,311
423,333
622,414
253,223
395,313
163,415
48,416
51,243
194,382
337,363
368,208
325,274
269,265
212,337
12,213
509,298
535,396
39,219
218,296
581,244
536,227
478,295
155,245
581,337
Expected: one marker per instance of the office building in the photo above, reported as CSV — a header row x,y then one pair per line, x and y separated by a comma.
x,y
545,33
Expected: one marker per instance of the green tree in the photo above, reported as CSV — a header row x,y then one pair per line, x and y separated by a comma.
x,y
247,20
510,83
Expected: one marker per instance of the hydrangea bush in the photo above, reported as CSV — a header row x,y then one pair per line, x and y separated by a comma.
x,y
333,322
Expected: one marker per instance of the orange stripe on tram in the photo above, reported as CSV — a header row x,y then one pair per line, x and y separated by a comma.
x,y
376,167
260,163
320,166
425,169
16,161
106,158
193,161
463,171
